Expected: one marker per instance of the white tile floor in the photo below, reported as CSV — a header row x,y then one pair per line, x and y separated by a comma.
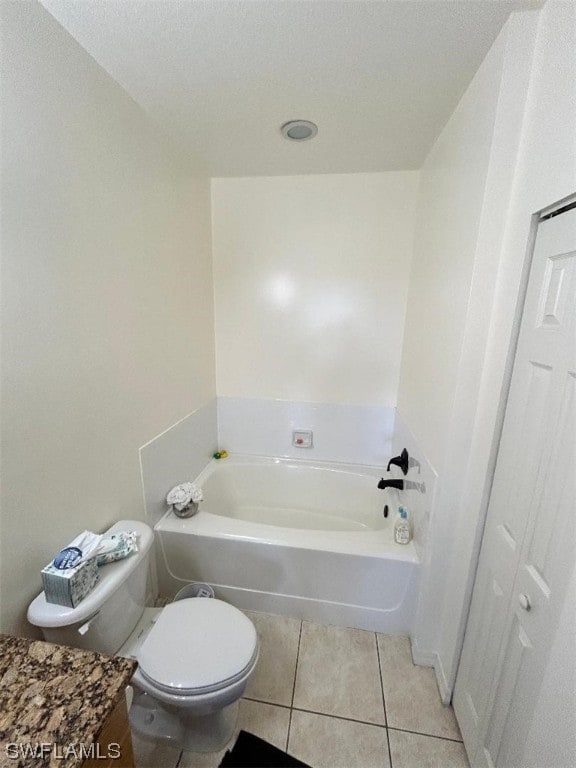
x,y
335,698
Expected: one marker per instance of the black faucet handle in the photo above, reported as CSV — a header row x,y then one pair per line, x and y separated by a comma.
x,y
401,461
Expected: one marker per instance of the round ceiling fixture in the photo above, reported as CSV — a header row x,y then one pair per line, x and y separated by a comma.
x,y
299,130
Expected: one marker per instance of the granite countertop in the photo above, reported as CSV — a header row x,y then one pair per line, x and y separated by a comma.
x,y
55,699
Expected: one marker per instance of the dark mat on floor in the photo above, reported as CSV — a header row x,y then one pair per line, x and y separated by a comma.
x,y
252,752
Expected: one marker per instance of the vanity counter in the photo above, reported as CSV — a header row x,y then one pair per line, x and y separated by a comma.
x,y
55,702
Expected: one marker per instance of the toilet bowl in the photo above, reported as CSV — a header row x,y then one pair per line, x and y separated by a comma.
x,y
195,656
193,665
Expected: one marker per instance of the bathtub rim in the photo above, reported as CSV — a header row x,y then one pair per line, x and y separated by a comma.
x,y
372,470
369,543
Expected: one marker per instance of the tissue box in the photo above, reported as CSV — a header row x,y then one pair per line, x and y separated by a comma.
x,y
70,586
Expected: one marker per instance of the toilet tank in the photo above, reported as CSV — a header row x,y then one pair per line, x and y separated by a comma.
x,y
105,618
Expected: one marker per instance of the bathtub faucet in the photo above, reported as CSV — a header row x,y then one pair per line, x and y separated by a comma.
x,y
399,484
402,461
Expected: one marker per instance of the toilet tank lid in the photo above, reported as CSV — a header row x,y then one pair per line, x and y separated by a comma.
x,y
49,615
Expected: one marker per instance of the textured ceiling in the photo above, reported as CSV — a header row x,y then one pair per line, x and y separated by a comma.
x,y
379,78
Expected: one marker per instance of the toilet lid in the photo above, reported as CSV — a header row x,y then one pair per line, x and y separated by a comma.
x,y
198,644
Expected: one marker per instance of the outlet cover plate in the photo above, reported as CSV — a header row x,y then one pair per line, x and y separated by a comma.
x,y
302,438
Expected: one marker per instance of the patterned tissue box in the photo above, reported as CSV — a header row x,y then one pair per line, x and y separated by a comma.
x,y
69,586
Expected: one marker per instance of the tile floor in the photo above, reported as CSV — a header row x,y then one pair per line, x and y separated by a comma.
x,y
335,698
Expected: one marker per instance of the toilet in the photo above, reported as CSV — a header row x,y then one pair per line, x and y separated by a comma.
x,y
195,656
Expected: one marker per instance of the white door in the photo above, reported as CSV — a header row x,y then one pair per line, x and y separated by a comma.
x,y
529,545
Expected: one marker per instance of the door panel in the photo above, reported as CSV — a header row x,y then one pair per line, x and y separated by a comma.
x,y
518,655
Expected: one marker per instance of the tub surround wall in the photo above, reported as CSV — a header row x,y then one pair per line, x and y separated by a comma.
x,y
176,456
310,285
355,434
420,487
106,298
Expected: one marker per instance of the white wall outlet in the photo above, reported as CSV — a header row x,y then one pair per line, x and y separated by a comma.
x,y
302,438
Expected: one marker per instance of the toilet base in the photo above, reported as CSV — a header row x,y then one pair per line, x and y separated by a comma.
x,y
209,733
151,721
203,733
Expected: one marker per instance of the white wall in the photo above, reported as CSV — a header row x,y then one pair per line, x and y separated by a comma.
x,y
453,181
106,298
527,85
452,190
311,277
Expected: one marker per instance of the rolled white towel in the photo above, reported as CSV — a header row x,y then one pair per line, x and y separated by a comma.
x,y
181,495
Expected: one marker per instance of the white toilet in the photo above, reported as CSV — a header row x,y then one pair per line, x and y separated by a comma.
x,y
195,656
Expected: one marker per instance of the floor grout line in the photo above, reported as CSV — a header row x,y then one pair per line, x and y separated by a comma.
x,y
270,703
383,699
296,667
429,735
294,686
353,720
339,717
316,712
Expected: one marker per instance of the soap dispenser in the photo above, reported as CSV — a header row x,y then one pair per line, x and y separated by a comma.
x,y
402,527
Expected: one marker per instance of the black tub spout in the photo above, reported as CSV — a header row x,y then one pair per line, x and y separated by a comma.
x,y
399,484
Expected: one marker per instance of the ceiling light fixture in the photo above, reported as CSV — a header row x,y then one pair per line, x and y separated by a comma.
x,y
299,130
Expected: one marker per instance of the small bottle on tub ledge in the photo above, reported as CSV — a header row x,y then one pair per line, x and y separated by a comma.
x,y
402,527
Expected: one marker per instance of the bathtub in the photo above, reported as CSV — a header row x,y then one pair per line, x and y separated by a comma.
x,y
293,537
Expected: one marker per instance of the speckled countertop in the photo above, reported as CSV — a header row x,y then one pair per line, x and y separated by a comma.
x,y
54,695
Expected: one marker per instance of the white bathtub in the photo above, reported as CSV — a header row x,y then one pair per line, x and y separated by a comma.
x,y
300,538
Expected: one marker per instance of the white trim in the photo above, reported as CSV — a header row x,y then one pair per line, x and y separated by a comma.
x,y
176,423
424,658
443,686
568,200
421,657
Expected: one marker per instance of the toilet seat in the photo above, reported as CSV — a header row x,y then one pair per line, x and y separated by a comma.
x,y
198,646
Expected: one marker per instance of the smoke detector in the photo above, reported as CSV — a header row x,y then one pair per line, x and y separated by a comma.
x,y
299,130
